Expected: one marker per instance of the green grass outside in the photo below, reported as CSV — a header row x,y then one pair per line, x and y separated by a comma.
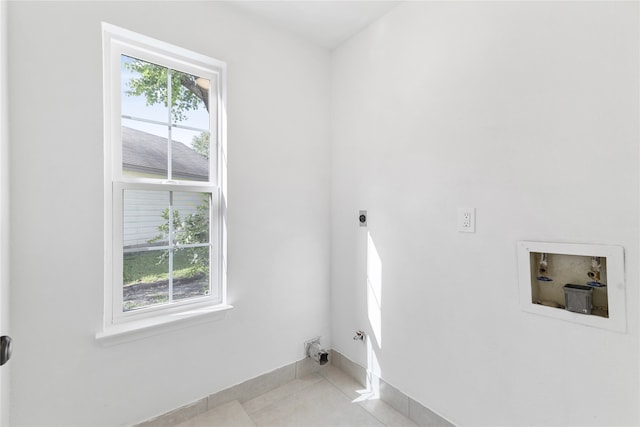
x,y
148,266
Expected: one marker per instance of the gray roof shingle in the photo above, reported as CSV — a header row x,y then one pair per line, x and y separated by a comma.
x,y
147,153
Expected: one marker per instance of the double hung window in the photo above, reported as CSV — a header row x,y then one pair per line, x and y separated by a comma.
x,y
165,176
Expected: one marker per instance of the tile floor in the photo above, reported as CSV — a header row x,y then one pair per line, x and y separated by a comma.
x,y
328,398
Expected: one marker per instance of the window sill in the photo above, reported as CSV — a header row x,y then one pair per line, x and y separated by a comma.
x,y
135,330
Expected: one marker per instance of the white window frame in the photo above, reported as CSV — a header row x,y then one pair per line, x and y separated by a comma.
x,y
117,42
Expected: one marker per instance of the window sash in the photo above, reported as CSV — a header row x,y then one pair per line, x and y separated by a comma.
x,y
216,135
215,296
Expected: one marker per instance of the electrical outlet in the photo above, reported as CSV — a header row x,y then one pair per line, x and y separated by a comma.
x,y
467,220
362,218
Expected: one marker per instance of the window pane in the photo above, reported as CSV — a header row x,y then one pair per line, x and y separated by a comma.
x,y
191,273
150,274
146,218
143,89
190,155
190,100
144,150
145,279
191,218
145,98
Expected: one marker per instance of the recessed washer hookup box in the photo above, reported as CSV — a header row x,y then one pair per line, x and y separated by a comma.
x,y
578,298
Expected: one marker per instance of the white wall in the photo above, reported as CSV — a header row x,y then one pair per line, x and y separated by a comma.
x,y
4,212
528,111
278,224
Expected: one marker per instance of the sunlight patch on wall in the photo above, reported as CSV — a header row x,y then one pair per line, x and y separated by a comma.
x,y
374,289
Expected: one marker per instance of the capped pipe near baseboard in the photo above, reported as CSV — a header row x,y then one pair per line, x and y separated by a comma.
x,y
316,352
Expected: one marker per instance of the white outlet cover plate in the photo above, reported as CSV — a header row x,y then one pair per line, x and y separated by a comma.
x,y
467,220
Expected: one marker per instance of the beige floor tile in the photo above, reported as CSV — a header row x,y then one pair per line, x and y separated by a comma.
x,y
368,399
327,398
307,366
280,393
254,387
386,414
319,405
177,416
230,414
425,416
345,383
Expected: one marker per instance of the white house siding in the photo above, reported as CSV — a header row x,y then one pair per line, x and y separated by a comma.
x,y
143,212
